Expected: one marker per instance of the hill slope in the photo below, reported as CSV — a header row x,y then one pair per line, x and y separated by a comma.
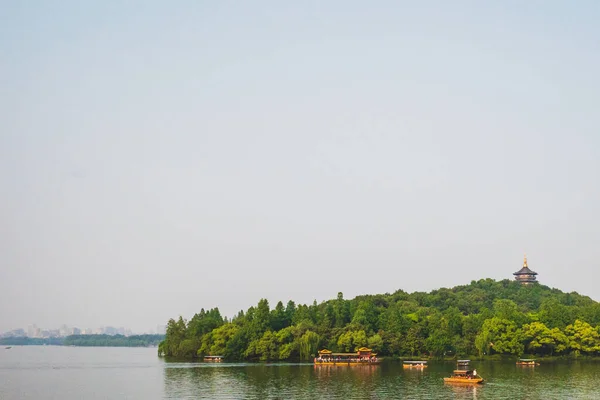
x,y
484,317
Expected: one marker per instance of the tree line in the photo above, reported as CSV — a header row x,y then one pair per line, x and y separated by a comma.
x,y
113,341
87,340
27,341
483,318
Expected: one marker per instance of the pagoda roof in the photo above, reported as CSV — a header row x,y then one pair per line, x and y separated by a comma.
x,y
525,271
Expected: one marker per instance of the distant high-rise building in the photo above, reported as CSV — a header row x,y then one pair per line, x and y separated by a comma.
x,y
31,331
525,275
64,330
109,330
14,333
75,331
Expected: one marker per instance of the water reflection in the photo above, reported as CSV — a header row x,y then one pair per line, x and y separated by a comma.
x,y
464,391
388,380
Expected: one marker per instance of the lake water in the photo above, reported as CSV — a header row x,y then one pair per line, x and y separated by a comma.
x,y
48,372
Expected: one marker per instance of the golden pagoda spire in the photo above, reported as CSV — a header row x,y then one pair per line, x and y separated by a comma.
x,y
525,261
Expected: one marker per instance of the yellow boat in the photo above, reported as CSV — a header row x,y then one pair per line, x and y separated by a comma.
x,y
414,364
363,356
527,362
464,376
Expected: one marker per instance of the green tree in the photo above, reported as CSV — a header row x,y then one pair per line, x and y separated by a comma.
x,y
539,339
375,343
308,345
583,338
278,317
501,336
414,341
341,311
556,315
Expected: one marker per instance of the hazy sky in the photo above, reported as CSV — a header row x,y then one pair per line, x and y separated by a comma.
x,y
157,158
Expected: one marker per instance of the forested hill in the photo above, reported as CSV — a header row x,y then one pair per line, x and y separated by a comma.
x,y
482,318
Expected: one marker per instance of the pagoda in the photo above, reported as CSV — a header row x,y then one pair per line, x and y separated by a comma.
x,y
525,275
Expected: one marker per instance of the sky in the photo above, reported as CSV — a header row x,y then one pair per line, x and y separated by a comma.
x,y
158,158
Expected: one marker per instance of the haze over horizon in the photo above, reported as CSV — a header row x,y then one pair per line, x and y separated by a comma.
x,y
156,159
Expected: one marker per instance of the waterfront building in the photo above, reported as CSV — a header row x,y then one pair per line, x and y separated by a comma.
x,y
525,275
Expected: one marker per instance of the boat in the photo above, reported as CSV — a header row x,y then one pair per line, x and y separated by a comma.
x,y
8,347
414,364
363,356
528,362
463,374
213,359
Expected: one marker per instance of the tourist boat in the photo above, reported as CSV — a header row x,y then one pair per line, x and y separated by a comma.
x,y
529,362
462,374
213,358
363,356
414,364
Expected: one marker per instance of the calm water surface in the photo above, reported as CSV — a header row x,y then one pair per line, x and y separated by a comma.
x,y
48,372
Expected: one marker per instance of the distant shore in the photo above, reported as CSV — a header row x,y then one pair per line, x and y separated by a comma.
x,y
87,341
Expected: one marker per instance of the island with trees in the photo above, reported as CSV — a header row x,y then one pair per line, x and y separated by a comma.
x,y
484,318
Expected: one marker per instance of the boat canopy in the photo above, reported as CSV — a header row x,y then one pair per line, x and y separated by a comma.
x,y
415,362
463,361
363,351
526,359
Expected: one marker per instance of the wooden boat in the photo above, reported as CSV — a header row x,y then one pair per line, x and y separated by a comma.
x,y
213,359
414,364
464,376
363,356
527,362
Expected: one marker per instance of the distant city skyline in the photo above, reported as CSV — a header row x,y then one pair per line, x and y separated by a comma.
x,y
33,331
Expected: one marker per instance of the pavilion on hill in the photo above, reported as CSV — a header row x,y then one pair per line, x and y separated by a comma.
x,y
525,275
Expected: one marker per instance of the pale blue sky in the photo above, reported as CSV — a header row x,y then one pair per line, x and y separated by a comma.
x,y
158,158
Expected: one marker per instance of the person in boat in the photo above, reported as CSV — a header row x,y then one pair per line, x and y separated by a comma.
x,y
474,372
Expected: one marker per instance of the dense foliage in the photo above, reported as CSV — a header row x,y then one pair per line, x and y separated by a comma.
x,y
483,318
113,341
